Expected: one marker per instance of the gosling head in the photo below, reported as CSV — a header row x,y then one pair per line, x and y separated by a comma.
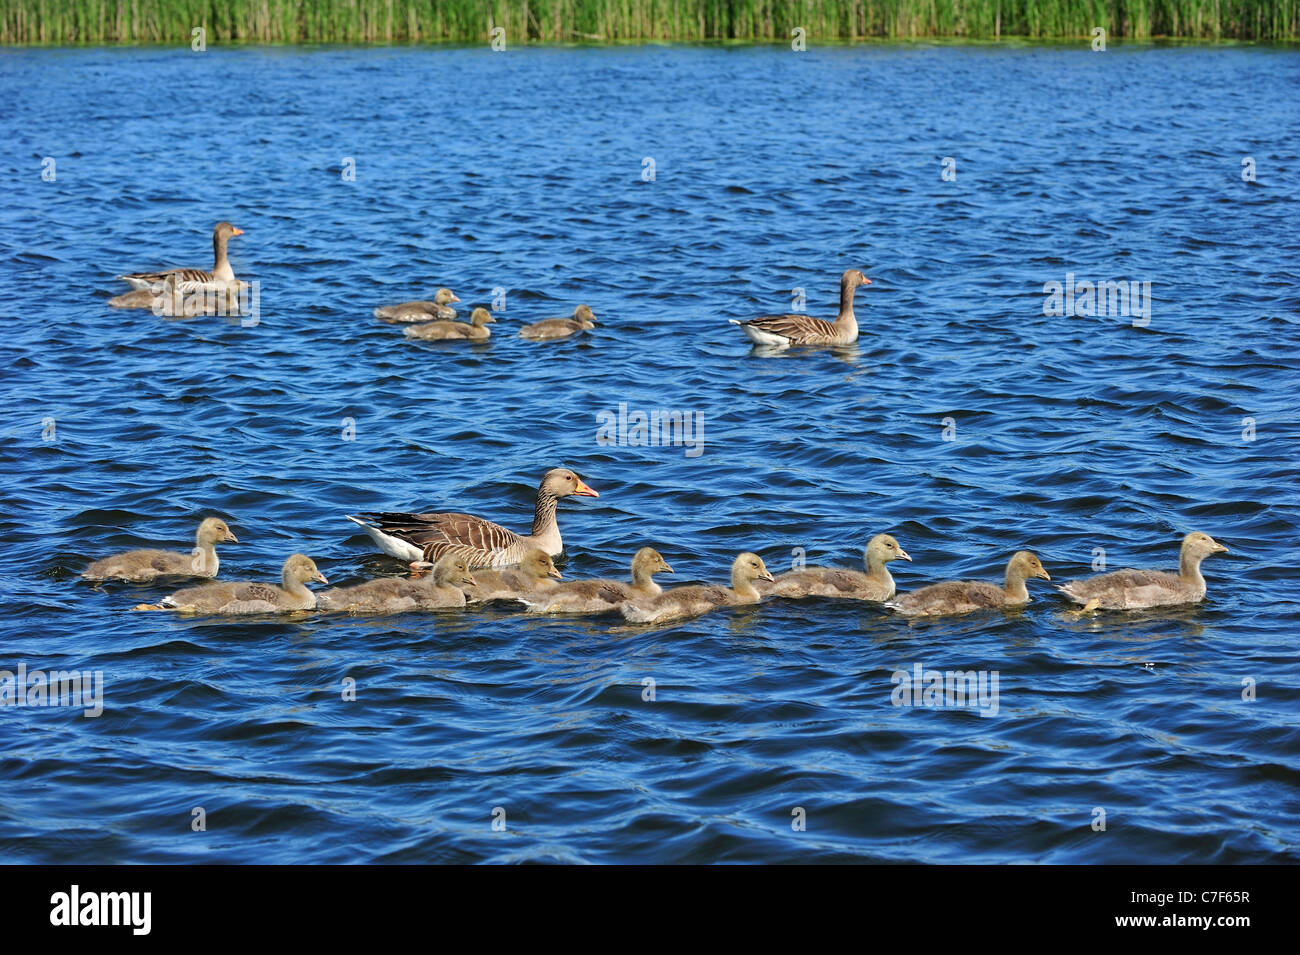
x,y
301,569
537,565
1024,564
444,296
213,530
882,548
561,482
748,568
649,562
1201,545
453,571
481,316
585,315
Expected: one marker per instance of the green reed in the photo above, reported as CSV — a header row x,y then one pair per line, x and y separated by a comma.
x,y
563,21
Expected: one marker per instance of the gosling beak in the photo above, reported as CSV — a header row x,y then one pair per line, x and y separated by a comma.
x,y
1220,549
765,575
321,577
555,572
666,568
454,297
467,579
903,554
1045,575
230,536
238,232
584,490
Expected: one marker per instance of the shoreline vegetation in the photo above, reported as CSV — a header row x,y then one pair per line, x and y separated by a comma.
x,y
167,22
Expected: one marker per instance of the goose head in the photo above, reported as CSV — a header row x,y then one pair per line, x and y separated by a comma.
x,y
453,571
300,569
481,316
224,231
213,530
746,569
852,278
1199,546
561,482
1024,565
538,565
881,549
647,563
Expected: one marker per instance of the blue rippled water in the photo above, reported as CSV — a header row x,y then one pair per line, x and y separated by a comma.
x,y
773,171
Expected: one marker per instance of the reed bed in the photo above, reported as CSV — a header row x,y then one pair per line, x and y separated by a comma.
x,y
97,22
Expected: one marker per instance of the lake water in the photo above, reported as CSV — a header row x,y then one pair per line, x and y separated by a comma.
x,y
772,734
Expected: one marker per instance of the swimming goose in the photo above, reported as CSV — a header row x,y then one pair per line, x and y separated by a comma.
x,y
190,280
536,573
583,319
248,597
1130,589
692,601
964,596
439,309
783,331
474,330
140,566
427,537
400,594
600,596
875,584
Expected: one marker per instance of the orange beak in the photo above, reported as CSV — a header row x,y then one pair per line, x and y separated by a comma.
x,y
238,232
584,490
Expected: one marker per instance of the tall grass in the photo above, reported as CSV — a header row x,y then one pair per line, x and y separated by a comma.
x,y
558,21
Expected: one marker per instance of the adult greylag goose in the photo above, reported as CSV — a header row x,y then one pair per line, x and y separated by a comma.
x,y
692,601
536,573
1130,589
783,331
436,591
603,595
438,310
475,330
964,596
140,566
248,597
190,280
583,320
875,584
427,537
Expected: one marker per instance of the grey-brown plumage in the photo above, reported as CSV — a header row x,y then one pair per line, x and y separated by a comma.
x,y
168,301
583,320
142,566
691,601
535,574
190,280
875,584
243,597
1131,589
782,331
438,310
475,330
965,596
436,591
603,595
427,537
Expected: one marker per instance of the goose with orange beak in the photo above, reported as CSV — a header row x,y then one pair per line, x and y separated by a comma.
x,y
185,281
428,537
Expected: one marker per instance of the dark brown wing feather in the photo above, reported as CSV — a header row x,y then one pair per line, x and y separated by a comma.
x,y
439,534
